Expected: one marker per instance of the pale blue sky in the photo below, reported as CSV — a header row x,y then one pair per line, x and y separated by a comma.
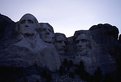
x,y
66,16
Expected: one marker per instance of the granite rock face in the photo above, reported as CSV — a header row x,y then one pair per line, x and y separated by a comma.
x,y
6,27
92,54
106,36
32,52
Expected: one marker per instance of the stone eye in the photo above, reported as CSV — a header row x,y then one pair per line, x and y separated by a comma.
x,y
30,21
22,22
77,41
84,40
50,30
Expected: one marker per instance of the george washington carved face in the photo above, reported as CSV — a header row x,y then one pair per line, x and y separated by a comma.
x,y
27,24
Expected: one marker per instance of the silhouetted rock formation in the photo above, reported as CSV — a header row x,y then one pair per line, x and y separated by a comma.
x,y
6,27
120,38
106,36
103,32
32,52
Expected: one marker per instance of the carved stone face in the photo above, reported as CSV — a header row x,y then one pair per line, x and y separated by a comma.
x,y
82,44
46,32
60,43
27,24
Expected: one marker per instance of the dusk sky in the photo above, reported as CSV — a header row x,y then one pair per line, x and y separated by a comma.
x,y
66,16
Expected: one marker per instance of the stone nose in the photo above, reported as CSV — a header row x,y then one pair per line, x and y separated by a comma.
x,y
63,43
26,25
79,46
47,32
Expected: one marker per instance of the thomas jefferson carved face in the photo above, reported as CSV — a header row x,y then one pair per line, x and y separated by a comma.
x,y
27,24
46,32
83,44
60,42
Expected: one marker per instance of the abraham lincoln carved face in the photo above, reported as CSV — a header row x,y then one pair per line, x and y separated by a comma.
x,y
82,42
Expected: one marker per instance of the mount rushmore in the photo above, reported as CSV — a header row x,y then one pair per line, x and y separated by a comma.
x,y
30,51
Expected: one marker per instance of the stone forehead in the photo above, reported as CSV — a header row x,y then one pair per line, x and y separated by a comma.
x,y
60,36
86,32
29,16
82,34
47,26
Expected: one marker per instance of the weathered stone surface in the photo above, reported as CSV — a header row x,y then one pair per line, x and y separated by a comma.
x,y
106,30
106,36
60,42
6,27
92,54
31,51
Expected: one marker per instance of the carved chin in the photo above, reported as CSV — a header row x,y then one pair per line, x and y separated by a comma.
x,y
61,51
82,52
